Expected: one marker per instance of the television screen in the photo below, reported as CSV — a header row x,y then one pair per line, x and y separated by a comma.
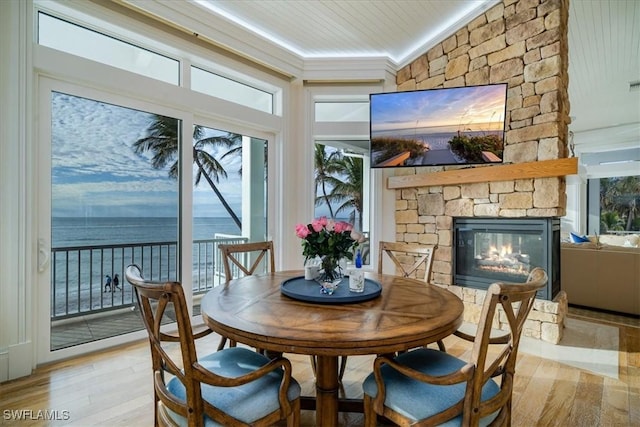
x,y
449,126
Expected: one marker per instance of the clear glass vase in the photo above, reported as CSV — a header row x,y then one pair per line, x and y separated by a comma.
x,y
330,274
331,269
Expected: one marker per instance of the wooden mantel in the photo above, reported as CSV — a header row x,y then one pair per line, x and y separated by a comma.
x,y
541,169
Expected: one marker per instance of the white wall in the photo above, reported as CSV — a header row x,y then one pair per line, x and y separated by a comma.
x,y
16,244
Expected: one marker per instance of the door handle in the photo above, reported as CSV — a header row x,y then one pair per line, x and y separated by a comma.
x,y
43,255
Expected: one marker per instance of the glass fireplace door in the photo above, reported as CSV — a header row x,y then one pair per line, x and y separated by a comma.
x,y
499,256
489,250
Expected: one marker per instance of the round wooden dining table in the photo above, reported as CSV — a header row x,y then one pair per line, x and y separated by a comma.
x,y
408,313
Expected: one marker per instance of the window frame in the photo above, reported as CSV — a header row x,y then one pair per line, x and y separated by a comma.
x,y
325,131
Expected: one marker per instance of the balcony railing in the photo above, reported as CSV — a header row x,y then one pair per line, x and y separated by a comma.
x,y
78,274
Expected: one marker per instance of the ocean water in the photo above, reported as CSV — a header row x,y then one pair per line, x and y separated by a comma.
x,y
94,231
86,250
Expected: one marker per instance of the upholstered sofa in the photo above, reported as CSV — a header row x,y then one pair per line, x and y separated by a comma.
x,y
603,273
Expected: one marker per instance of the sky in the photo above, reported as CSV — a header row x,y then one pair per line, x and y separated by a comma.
x,y
95,171
453,107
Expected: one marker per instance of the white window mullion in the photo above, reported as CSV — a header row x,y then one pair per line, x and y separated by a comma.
x,y
185,243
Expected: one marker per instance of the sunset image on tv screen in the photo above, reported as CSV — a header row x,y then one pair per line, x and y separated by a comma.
x,y
462,125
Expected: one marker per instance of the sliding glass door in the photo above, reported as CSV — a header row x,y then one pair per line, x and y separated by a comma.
x,y
114,201
115,192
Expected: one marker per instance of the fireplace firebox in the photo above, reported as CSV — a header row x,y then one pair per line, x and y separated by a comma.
x,y
489,250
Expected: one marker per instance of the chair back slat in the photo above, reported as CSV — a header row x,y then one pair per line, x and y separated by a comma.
x,y
408,258
234,254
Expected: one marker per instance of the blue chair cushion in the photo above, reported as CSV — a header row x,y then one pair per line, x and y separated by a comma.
x,y
417,400
248,402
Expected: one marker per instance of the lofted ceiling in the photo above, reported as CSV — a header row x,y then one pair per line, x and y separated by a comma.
x,y
604,44
397,29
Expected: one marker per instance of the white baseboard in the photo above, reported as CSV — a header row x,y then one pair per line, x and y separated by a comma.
x,y
19,360
4,366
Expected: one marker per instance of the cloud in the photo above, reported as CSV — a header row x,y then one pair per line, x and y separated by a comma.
x,y
437,107
95,168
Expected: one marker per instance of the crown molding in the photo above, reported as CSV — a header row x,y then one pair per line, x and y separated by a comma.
x,y
198,21
365,69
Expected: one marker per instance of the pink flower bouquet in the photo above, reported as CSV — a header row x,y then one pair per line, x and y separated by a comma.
x,y
330,240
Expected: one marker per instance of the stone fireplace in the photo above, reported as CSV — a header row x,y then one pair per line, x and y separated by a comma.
x,y
522,43
488,250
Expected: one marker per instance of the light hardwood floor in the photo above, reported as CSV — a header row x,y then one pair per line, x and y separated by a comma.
x,y
113,387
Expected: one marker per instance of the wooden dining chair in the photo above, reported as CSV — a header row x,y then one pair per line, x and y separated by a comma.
x,y
410,260
247,258
232,255
431,387
230,387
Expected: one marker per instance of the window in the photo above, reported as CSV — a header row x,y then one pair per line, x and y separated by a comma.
x,y
341,111
137,196
614,205
229,198
341,187
342,178
339,184
62,35
231,90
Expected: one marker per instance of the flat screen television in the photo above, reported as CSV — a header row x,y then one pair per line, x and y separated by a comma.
x,y
432,127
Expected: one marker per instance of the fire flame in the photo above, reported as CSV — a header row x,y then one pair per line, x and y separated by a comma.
x,y
504,250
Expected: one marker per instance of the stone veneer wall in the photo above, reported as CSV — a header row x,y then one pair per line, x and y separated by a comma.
x,y
522,43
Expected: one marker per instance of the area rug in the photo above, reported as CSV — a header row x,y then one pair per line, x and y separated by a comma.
x,y
584,345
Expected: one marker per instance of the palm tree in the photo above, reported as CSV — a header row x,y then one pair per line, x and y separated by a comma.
x,y
621,195
610,221
630,197
162,141
608,192
347,187
325,165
